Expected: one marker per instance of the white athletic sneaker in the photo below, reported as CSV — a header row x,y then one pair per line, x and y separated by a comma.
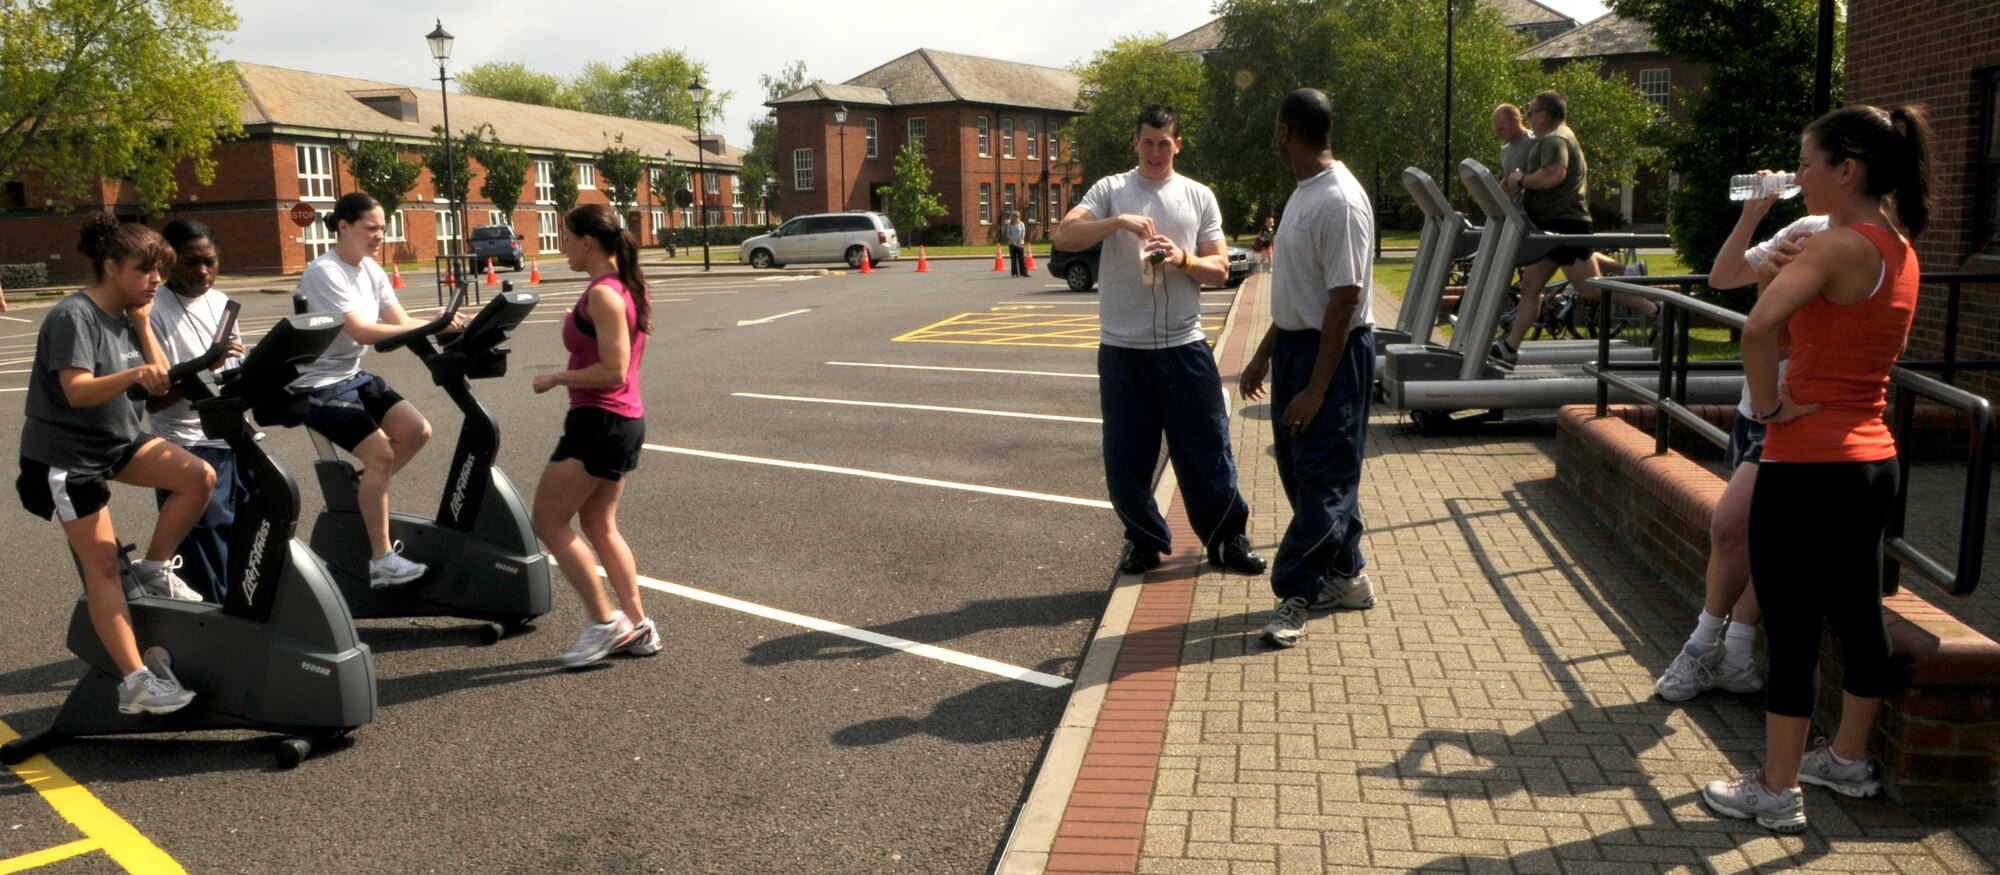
x,y
597,641
393,569
643,640
144,691
1288,623
1350,593
1738,678
1856,779
158,579
1691,672
1747,798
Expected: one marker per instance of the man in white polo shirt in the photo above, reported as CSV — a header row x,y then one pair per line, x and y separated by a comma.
x,y
1155,372
1320,354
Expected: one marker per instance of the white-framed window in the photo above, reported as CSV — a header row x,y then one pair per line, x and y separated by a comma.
x,y
315,173
548,234
1033,214
715,217
1055,203
802,170
659,220
1034,138
1053,142
1658,86
986,203
495,217
1006,138
735,190
586,175
763,218
711,183
736,217
449,241
545,182
687,217
985,137
1007,202
318,238
867,124
916,129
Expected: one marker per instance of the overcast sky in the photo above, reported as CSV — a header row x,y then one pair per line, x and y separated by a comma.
x,y
383,40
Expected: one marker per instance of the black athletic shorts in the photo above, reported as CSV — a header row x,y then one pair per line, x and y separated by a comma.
x,y
607,444
54,493
349,411
1566,254
1746,442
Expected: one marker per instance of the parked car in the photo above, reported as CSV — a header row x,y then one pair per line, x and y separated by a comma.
x,y
1079,269
824,237
497,242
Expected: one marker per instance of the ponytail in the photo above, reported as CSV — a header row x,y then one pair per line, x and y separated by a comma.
x,y
1913,188
599,223
1894,146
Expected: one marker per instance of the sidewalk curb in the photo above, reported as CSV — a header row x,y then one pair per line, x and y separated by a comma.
x,y
1034,831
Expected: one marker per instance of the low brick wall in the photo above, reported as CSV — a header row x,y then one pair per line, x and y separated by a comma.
x,y
1939,738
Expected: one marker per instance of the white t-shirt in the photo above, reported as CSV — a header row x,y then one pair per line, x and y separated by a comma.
x,y
1326,241
185,327
1139,308
331,285
1755,256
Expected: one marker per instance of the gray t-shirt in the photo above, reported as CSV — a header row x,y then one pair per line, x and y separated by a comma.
x,y
1017,234
77,334
1514,156
1138,307
1326,241
331,285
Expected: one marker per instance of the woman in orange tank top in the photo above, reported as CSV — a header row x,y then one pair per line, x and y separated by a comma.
x,y
1829,473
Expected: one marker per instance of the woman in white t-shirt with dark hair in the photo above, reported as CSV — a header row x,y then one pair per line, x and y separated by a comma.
x,y
355,409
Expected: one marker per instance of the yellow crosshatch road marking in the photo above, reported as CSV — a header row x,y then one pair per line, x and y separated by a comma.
x,y
102,829
1008,326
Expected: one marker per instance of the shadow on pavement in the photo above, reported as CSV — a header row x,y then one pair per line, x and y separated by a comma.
x,y
996,711
390,692
969,619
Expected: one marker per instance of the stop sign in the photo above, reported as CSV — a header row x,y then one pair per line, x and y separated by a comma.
x,y
303,214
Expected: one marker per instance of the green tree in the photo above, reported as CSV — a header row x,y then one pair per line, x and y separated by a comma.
x,y
1118,82
380,169
507,80
760,163
1754,103
100,89
650,87
450,163
621,168
563,186
506,172
911,203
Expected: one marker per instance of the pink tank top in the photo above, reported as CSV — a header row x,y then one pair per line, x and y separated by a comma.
x,y
580,338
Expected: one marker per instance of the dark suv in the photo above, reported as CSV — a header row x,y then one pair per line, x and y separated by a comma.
x,y
1079,269
497,242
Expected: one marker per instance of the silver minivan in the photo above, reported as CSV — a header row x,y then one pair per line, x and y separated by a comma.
x,y
824,237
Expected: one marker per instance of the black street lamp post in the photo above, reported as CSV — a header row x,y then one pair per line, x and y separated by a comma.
x,y
701,175
840,120
441,51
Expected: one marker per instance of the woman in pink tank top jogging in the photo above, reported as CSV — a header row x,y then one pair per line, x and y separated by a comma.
x,y
605,335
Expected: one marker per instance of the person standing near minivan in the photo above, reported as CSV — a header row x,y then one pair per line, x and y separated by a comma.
x,y
1156,373
1017,241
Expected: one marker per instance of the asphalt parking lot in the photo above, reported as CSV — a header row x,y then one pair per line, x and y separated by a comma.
x,y
871,516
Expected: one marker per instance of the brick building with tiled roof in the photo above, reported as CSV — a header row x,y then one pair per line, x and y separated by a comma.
x,y
989,129
294,123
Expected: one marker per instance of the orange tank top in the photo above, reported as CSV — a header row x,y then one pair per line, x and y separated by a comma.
x,y
1840,361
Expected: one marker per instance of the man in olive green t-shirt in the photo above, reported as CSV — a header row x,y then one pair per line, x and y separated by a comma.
x,y
1555,194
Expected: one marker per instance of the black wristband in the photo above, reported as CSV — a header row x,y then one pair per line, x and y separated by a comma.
x,y
1767,417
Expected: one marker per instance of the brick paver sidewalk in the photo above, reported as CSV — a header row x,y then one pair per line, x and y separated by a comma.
x,y
1492,713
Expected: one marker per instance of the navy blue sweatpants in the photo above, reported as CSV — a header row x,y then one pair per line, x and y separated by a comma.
x,y
1321,469
1144,394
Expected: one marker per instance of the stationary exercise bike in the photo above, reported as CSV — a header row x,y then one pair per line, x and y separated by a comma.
x,y
484,562
280,653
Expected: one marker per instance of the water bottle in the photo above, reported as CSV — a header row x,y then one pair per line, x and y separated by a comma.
x,y
1750,186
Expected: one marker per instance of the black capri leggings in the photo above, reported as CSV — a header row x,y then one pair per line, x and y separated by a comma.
x,y
1816,559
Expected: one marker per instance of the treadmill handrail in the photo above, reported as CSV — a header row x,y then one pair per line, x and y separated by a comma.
x,y
402,339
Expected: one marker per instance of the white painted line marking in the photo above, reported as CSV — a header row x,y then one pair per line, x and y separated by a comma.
x,y
18,361
1050,303
21,371
785,279
965,370
963,660
877,475
1007,413
18,319
22,389
770,319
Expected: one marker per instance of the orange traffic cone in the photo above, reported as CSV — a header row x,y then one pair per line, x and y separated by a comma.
x,y
491,279
1031,258
923,264
535,275
999,260
867,262
396,277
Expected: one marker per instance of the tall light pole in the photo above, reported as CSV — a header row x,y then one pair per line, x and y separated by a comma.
x,y
441,51
840,120
1450,34
701,164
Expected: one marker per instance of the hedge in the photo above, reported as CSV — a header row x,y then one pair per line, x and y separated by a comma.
x,y
24,276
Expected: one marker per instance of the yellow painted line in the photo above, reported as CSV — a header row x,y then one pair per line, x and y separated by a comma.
x,y
1016,329
51,856
100,826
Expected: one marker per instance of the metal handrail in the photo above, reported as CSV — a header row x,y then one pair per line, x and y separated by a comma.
x,y
1670,399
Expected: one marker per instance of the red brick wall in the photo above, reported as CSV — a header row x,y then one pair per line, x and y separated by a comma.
x,y
1925,51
